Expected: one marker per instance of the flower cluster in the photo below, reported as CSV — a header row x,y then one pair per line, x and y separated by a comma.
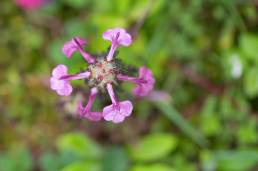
x,y
103,73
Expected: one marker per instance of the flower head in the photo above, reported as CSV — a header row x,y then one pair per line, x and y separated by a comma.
x,y
103,73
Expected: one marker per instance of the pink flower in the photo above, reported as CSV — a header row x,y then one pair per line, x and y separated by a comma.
x,y
102,73
30,4
147,85
76,45
85,111
117,36
117,111
145,82
60,80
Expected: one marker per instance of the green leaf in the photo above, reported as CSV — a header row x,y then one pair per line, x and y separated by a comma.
x,y
230,160
181,123
251,82
49,162
209,115
236,160
181,164
16,159
247,132
153,147
80,144
115,159
152,167
82,166
249,46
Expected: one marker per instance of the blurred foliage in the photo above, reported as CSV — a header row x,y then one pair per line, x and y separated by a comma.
x,y
203,53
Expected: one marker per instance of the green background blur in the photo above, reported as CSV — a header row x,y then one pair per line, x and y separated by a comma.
x,y
203,53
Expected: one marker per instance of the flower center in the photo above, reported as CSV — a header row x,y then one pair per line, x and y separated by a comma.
x,y
102,73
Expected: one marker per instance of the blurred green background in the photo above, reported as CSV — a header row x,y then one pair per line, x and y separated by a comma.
x,y
204,53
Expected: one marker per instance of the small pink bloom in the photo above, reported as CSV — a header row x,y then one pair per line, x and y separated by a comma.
x,y
62,87
76,45
30,4
144,88
117,111
71,46
145,82
117,36
60,80
85,111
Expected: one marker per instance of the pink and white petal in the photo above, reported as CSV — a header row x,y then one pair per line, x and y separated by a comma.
x,y
59,71
118,118
71,46
144,71
108,35
81,41
145,88
68,49
117,114
125,39
66,90
126,108
109,112
56,84
137,91
120,30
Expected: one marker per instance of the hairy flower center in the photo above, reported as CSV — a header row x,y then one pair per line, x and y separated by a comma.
x,y
102,73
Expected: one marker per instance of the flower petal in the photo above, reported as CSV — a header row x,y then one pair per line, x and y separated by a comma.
x,y
71,46
109,113
118,118
125,39
126,108
143,89
117,113
59,71
108,35
66,90
118,36
56,84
